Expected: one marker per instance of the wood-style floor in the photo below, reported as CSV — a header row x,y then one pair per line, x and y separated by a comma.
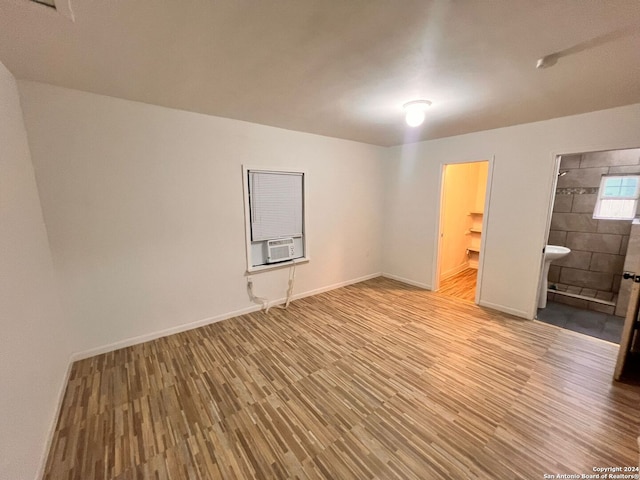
x,y
461,285
373,380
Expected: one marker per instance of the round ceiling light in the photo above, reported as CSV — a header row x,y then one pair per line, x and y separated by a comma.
x,y
415,112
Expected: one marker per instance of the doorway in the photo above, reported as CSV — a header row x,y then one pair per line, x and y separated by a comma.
x,y
462,223
593,214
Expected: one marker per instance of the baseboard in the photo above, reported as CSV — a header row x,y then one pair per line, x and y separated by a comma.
x,y
161,333
330,287
206,321
455,271
407,281
54,421
502,308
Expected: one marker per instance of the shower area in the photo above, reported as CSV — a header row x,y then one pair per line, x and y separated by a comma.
x,y
594,215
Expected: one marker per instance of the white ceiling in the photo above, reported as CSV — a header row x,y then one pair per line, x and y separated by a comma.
x,y
341,68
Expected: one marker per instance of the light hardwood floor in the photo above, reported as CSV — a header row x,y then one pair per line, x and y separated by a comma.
x,y
461,286
373,380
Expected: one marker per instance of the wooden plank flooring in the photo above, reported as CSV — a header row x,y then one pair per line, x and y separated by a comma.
x,y
461,286
374,380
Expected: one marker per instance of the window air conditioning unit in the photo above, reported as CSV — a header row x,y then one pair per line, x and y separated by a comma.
x,y
279,250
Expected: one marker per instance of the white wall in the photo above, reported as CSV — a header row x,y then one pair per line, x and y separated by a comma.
x,y
144,209
519,204
482,170
34,337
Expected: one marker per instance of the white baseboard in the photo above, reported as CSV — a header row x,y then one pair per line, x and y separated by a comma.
x,y
331,287
128,342
54,421
206,321
407,281
502,308
456,270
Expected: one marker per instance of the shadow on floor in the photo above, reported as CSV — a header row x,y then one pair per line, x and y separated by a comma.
x,y
594,324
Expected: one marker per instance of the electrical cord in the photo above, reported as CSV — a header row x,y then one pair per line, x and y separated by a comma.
x,y
265,302
292,278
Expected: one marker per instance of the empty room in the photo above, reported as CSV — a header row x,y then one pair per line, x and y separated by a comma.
x,y
302,239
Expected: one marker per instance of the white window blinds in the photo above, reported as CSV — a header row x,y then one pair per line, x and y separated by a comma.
x,y
276,204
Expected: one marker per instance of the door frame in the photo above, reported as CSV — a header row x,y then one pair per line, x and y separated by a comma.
x,y
626,338
553,182
557,157
435,275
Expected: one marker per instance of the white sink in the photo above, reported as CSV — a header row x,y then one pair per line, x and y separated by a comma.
x,y
555,252
551,253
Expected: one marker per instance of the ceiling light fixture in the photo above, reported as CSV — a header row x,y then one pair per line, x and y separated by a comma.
x,y
415,112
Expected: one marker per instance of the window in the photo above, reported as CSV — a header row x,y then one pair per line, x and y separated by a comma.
x,y
275,199
274,211
617,197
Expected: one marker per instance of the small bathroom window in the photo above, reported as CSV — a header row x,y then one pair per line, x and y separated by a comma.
x,y
617,197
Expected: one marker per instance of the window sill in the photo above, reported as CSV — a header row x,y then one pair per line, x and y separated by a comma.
x,y
273,266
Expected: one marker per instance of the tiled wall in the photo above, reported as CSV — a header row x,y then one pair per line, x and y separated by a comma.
x,y
598,247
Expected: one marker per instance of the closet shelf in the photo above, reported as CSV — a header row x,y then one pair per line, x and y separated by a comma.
x,y
476,213
475,230
473,249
